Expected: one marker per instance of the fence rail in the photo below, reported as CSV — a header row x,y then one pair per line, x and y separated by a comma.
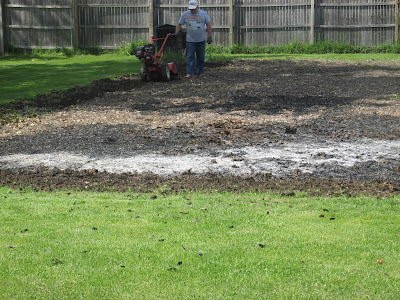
x,y
109,24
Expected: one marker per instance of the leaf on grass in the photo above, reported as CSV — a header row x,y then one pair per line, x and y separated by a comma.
x,y
322,216
379,261
261,245
288,193
57,261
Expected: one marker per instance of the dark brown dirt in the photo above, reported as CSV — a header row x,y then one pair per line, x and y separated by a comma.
x,y
53,179
235,104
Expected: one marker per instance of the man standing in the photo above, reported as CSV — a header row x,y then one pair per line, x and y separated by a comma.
x,y
196,21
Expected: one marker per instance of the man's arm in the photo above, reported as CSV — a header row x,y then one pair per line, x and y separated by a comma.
x,y
178,28
209,30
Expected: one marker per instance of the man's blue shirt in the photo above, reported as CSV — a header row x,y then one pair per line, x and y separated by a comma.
x,y
195,25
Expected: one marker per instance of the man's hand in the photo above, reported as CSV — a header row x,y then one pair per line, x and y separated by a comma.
x,y
209,40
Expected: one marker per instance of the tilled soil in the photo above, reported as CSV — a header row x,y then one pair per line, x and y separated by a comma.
x,y
311,109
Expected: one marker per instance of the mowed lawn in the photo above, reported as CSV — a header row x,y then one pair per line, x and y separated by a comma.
x,y
27,76
197,245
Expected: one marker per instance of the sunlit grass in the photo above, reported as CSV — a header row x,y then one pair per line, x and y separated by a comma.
x,y
27,76
164,245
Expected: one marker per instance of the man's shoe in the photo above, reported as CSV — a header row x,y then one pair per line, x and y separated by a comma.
x,y
188,76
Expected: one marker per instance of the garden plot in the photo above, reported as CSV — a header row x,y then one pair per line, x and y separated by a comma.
x,y
290,120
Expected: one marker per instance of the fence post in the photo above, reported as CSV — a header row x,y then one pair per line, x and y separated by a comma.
x,y
312,22
75,35
231,20
151,8
396,21
1,29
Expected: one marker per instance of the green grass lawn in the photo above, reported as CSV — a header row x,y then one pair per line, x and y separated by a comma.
x,y
26,76
84,245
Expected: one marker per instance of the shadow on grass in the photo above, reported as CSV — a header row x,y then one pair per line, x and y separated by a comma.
x,y
17,58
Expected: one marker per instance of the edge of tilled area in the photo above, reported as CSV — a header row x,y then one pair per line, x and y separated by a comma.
x,y
92,180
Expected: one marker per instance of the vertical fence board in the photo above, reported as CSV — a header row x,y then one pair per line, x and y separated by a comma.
x,y
1,29
75,34
231,22
312,21
150,20
396,21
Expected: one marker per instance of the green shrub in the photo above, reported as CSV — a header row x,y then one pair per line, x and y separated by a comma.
x,y
175,57
240,49
67,51
211,49
10,48
320,47
92,50
130,48
385,48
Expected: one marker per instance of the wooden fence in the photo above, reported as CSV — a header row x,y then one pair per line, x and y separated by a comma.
x,y
111,23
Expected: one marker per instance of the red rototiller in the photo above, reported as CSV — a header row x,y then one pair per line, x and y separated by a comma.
x,y
154,68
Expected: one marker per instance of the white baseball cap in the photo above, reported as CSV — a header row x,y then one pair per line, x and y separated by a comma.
x,y
193,4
